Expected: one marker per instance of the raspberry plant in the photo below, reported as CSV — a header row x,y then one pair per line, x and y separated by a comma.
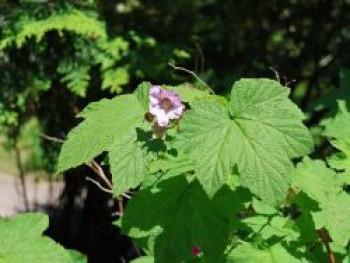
x,y
219,181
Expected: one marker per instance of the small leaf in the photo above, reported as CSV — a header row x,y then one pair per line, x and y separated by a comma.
x,y
315,179
339,126
334,217
246,253
272,226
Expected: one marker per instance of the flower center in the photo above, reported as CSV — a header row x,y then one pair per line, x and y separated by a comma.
x,y
166,104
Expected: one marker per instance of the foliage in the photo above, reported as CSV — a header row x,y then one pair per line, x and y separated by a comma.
x,y
22,240
187,177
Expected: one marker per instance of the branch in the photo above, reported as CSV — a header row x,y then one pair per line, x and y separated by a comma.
x,y
99,171
171,64
94,166
51,138
99,185
277,75
324,236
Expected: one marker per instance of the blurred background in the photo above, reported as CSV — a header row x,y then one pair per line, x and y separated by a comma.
x,y
57,56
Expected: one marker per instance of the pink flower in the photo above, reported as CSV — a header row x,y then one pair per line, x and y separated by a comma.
x,y
165,105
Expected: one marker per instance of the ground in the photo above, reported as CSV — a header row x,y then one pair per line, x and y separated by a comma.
x,y
39,195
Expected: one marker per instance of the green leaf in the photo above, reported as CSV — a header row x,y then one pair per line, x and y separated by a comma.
x,y
77,257
272,226
333,96
76,77
189,93
142,93
339,126
262,208
143,260
185,217
259,132
114,78
128,164
315,179
341,160
106,123
73,21
246,253
334,217
21,240
172,164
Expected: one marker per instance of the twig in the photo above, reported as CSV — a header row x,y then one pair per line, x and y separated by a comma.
x,y
99,185
19,163
51,138
126,195
121,208
287,83
99,171
325,238
171,64
277,75
94,166
330,252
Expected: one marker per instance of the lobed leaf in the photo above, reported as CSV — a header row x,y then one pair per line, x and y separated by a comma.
x,y
21,240
334,217
259,132
185,217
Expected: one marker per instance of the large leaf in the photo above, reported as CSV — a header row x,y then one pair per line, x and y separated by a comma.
x,y
106,122
21,241
185,217
246,253
259,132
111,126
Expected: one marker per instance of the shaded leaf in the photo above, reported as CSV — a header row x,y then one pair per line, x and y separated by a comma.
x,y
185,217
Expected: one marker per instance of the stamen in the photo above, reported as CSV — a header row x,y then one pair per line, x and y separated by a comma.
x,y
166,104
